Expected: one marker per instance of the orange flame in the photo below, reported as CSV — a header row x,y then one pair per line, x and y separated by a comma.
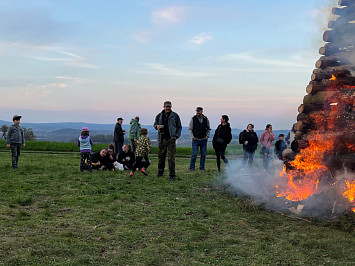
x,y
333,78
303,181
350,193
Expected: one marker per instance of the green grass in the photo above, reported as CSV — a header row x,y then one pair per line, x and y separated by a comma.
x,y
50,213
48,146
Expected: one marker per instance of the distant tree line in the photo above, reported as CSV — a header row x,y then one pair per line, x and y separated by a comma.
x,y
29,134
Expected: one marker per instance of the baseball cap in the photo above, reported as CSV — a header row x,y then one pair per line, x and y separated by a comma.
x,y
16,117
199,108
85,129
120,118
167,103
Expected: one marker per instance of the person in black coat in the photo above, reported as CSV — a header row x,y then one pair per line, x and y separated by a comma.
x,y
222,137
250,140
118,135
126,157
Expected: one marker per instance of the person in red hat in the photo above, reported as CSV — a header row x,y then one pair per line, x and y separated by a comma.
x,y
85,143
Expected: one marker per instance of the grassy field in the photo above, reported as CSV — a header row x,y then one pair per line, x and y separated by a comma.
x,y
50,213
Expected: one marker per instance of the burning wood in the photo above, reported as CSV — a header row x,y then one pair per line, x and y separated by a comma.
x,y
324,145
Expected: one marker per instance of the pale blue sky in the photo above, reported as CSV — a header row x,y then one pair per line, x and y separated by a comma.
x,y
93,61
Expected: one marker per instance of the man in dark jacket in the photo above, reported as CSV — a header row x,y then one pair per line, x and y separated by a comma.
x,y
15,138
118,135
199,129
169,129
250,140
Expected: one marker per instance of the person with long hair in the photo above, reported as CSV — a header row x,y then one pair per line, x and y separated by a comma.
x,y
222,137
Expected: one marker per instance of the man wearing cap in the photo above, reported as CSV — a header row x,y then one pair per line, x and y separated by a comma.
x,y
199,129
169,129
118,136
15,138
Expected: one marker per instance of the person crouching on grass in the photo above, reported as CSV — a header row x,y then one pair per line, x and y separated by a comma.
x,y
143,148
15,138
85,143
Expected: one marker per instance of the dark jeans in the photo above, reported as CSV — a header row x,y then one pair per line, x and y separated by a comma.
x,y
248,155
118,147
202,144
220,150
167,147
141,162
267,158
85,156
15,153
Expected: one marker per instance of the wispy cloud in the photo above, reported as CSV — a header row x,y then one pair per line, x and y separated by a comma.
x,y
45,53
259,60
174,15
170,71
201,38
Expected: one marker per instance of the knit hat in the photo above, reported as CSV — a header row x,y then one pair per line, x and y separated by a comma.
x,y
85,129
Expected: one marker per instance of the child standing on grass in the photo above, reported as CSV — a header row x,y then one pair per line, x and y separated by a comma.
x,y
143,148
85,143
15,138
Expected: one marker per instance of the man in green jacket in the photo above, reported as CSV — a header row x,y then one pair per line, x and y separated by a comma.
x,y
133,134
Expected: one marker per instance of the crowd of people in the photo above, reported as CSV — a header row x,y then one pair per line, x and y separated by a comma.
x,y
135,155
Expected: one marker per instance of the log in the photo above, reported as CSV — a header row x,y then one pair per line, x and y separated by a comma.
x,y
305,118
299,135
346,2
329,85
297,145
348,11
338,37
341,26
339,21
330,49
320,97
341,40
338,59
307,108
327,73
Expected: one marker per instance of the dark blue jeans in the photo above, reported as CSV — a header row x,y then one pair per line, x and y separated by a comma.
x,y
202,144
248,155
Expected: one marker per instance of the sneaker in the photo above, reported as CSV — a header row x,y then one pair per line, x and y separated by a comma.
x,y
144,172
172,178
131,174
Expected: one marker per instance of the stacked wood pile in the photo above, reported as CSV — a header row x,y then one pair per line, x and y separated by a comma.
x,y
329,106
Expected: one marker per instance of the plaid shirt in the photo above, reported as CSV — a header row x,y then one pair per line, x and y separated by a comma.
x,y
143,146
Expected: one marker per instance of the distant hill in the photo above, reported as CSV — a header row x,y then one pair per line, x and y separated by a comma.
x,y
69,131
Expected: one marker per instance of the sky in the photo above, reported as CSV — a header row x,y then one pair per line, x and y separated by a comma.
x,y
93,61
